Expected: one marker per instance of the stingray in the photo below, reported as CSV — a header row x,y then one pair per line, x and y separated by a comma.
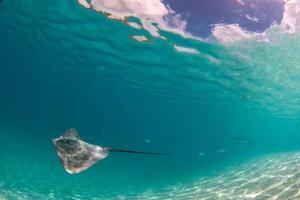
x,y
77,155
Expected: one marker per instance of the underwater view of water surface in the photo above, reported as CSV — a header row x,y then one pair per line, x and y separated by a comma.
x,y
212,85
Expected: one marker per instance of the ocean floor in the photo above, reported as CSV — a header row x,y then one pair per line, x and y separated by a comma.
x,y
272,177
275,176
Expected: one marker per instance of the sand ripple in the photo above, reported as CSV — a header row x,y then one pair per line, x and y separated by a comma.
x,y
275,177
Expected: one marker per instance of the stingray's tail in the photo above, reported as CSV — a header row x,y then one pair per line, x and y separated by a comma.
x,y
137,152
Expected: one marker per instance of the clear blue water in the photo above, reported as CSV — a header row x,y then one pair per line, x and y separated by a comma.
x,y
64,66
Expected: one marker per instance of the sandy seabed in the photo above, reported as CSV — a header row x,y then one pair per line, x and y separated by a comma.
x,y
271,177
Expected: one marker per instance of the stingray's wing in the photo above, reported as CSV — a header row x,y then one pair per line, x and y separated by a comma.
x,y
88,156
79,155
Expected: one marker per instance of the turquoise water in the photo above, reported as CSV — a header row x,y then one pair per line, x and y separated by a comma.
x,y
215,112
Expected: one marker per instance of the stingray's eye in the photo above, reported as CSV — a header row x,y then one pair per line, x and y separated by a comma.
x,y
66,141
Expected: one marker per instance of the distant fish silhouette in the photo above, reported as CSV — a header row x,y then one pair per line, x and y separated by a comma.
x,y
77,155
245,97
243,140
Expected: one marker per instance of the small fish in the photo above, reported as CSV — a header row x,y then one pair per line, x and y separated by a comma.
x,y
147,141
221,151
201,154
244,140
